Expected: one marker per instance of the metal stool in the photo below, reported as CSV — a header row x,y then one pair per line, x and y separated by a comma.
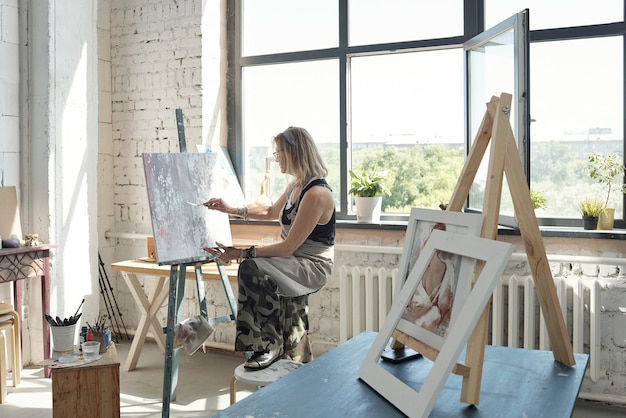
x,y
260,378
10,321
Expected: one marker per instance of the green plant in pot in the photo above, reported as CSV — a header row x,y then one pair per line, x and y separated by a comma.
x,y
368,190
608,170
591,209
538,199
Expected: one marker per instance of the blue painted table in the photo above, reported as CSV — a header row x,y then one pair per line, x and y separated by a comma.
x,y
516,383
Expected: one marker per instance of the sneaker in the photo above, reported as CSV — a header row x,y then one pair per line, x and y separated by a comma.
x,y
262,359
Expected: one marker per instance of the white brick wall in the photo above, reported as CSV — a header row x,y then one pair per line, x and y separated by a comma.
x,y
9,94
157,61
155,68
106,219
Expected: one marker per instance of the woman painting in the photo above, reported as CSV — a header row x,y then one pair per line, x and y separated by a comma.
x,y
300,264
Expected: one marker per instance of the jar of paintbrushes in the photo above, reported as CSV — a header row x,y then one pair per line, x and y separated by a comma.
x,y
100,332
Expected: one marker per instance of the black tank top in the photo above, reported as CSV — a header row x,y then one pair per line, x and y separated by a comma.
x,y
321,233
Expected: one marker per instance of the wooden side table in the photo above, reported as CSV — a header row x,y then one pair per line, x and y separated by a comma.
x,y
92,389
24,263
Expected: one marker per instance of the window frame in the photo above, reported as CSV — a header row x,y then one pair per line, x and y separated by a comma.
x,y
474,21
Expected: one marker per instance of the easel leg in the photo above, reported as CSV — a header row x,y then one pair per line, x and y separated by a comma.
x,y
229,291
174,314
201,292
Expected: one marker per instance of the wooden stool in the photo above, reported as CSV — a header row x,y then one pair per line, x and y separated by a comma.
x,y
260,378
9,320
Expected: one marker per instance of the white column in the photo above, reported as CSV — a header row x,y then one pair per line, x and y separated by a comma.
x,y
60,168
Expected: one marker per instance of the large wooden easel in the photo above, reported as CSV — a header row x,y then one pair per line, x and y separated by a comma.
x,y
504,158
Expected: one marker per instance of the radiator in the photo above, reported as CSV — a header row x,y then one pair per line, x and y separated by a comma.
x,y
516,319
365,299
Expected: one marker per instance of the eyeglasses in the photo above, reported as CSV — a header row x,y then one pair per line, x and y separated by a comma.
x,y
275,153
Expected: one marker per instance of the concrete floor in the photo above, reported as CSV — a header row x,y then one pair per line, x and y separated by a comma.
x,y
203,388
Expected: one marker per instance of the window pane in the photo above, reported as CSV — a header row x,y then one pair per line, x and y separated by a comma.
x,y
405,122
376,22
278,96
491,71
576,108
556,13
272,26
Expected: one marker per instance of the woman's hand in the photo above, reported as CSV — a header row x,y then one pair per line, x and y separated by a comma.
x,y
218,204
224,253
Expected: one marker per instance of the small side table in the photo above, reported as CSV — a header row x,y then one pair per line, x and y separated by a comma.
x,y
92,389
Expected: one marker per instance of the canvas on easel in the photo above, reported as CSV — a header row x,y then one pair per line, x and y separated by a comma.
x,y
440,245
176,185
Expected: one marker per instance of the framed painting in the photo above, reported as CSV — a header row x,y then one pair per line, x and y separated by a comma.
x,y
469,250
430,317
422,222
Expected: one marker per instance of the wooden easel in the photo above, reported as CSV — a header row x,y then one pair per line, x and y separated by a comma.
x,y
504,158
175,302
175,315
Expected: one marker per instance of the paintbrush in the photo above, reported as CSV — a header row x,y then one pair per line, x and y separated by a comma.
x,y
74,318
195,204
50,320
79,306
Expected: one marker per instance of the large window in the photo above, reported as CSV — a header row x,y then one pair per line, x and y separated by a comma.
x,y
380,85
404,122
281,95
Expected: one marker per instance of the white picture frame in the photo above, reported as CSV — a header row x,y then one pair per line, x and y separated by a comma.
x,y
431,327
419,403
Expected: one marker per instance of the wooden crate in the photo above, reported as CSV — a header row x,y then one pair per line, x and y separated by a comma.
x,y
89,390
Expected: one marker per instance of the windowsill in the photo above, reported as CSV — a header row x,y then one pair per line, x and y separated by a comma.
x,y
546,231
570,232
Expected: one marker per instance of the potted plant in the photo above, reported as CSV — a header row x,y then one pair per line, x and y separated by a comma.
x,y
538,199
608,170
368,191
590,209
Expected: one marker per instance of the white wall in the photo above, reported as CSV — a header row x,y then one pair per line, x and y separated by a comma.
x,y
9,94
156,67
9,103
106,213
49,147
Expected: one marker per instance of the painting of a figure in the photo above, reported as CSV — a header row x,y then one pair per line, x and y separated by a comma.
x,y
177,184
432,304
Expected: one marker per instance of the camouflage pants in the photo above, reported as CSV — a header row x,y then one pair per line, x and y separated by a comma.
x,y
268,321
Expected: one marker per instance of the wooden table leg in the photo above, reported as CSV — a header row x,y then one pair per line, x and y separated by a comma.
x,y
45,307
148,306
156,298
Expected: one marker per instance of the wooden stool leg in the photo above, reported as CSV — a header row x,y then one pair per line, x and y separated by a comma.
x,y
233,389
17,350
3,370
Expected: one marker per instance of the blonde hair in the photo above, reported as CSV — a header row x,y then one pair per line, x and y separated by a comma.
x,y
304,160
